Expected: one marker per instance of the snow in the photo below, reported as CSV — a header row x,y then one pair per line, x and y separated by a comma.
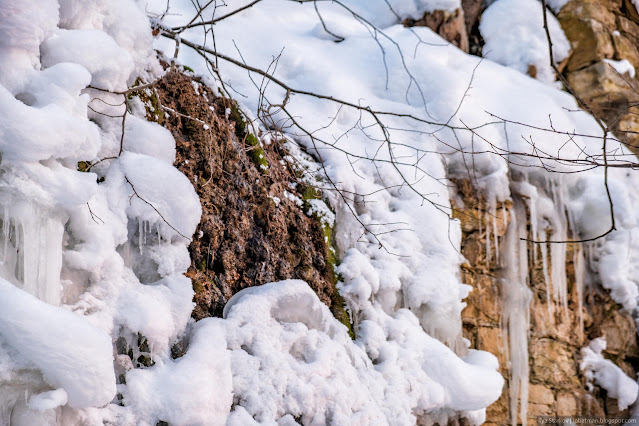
x,y
205,367
69,289
514,35
48,400
22,28
622,67
108,63
93,262
282,336
322,211
71,353
161,195
378,284
556,5
382,13
148,138
604,373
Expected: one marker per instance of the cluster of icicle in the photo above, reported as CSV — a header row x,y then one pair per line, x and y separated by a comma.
x,y
548,212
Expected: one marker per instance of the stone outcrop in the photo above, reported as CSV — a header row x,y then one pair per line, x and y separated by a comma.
x,y
601,30
556,384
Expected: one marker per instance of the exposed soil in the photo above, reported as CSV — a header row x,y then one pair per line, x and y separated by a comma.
x,y
244,238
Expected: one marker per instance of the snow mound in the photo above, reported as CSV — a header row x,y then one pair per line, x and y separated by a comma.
x,y
71,353
604,373
515,37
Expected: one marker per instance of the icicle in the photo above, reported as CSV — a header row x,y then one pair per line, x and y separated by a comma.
x,y
6,228
544,262
140,234
20,250
488,251
516,298
579,263
496,235
558,251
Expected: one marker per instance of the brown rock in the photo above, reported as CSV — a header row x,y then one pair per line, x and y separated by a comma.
x,y
619,331
631,10
449,25
553,362
627,125
498,411
628,28
566,404
491,340
588,26
483,303
626,48
539,394
591,406
601,85
472,9
535,410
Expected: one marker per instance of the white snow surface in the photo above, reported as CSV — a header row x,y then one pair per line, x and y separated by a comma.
x,y
556,5
606,374
514,36
622,67
71,353
93,262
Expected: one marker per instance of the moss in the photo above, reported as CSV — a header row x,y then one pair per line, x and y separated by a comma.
x,y
202,265
338,307
331,258
309,192
236,117
339,312
257,155
198,286
151,103
83,166
156,113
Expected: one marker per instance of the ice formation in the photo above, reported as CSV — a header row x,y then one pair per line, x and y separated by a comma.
x,y
93,262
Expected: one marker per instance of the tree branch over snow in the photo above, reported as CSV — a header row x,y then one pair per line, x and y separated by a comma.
x,y
267,110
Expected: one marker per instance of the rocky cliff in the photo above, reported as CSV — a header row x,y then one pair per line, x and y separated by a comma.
x,y
603,35
248,238
556,335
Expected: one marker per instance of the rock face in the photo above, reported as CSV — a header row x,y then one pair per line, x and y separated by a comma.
x,y
556,385
601,30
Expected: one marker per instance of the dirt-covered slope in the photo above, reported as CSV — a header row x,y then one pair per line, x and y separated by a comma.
x,y
250,232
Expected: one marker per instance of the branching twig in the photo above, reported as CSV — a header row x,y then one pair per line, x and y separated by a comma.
x,y
153,207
